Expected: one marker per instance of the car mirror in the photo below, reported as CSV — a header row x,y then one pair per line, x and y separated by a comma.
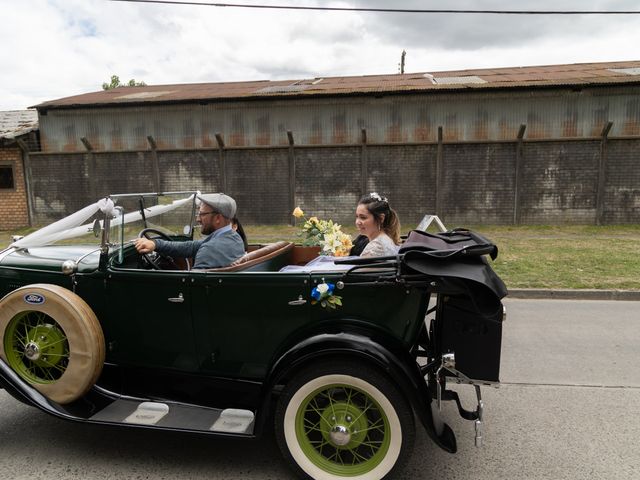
x,y
97,229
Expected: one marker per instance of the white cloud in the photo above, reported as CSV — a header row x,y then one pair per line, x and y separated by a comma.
x,y
57,48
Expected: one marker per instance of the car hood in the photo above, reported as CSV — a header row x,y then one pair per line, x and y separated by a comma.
x,y
51,257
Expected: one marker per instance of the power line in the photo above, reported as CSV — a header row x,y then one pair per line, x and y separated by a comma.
x,y
390,10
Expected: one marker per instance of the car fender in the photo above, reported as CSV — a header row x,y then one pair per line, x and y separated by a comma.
x,y
361,345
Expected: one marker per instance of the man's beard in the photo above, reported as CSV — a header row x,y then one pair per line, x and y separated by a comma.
x,y
206,229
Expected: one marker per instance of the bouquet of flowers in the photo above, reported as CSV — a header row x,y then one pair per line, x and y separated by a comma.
x,y
325,234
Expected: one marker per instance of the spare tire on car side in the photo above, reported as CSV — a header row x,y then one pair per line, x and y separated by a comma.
x,y
52,339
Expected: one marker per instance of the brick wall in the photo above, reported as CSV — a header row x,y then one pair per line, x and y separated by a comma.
x,y
558,180
13,203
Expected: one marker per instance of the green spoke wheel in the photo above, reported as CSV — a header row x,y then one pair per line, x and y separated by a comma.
x,y
36,347
52,339
340,422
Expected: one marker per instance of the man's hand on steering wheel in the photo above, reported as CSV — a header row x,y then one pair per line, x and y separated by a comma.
x,y
145,246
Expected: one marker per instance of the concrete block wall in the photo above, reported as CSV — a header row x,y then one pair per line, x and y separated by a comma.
x,y
328,181
198,170
621,203
407,177
259,182
477,183
558,181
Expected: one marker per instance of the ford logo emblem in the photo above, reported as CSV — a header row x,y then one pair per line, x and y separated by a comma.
x,y
34,299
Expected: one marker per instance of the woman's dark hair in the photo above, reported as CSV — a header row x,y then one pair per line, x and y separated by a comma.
x,y
240,231
385,216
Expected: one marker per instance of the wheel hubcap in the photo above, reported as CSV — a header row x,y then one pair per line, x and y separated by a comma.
x,y
32,351
340,435
343,424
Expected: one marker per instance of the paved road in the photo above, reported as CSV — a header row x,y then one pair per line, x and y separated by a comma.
x,y
568,408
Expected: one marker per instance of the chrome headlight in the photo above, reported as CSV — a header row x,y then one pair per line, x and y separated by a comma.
x,y
69,267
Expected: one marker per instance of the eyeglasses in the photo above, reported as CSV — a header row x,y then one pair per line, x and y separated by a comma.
x,y
199,214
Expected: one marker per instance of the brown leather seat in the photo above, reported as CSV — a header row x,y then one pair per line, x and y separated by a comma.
x,y
257,256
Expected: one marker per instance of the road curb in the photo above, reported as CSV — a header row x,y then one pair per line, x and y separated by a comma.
x,y
543,293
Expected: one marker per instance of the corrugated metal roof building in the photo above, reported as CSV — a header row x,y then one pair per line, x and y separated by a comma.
x,y
545,144
559,101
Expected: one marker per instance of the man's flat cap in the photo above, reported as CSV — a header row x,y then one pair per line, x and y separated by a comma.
x,y
221,203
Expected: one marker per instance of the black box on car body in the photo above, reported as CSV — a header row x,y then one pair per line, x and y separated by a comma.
x,y
474,336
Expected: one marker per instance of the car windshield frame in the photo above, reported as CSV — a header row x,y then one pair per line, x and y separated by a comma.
x,y
143,212
107,213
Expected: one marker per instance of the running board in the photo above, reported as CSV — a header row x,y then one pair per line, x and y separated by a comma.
x,y
176,416
104,407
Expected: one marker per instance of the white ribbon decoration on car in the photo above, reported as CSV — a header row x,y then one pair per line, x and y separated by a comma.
x,y
74,225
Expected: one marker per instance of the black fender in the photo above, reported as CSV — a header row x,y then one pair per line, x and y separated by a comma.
x,y
25,393
393,359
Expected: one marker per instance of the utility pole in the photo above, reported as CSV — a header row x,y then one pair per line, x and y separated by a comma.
x,y
401,65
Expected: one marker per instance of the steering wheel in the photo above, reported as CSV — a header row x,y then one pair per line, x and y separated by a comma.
x,y
153,258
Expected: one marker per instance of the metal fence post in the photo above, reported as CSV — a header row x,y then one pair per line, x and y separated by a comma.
x,y
439,172
364,164
292,176
602,173
517,181
223,166
155,164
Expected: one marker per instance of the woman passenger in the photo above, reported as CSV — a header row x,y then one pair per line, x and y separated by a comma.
x,y
380,224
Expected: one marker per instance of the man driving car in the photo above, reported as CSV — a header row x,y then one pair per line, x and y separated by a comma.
x,y
220,248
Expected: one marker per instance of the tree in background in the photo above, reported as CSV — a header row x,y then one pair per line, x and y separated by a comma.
x,y
115,83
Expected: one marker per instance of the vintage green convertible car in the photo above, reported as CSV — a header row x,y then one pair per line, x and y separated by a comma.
x,y
341,357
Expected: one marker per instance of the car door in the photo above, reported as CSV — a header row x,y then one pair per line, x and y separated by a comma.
x,y
150,311
241,319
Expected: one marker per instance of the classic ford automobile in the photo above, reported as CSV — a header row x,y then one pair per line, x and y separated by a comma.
x,y
341,356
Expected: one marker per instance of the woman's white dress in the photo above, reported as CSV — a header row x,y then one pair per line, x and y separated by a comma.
x,y
381,246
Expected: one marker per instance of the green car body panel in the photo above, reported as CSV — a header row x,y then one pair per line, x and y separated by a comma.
x,y
228,324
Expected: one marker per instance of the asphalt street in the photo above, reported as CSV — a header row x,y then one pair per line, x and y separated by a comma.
x,y
568,408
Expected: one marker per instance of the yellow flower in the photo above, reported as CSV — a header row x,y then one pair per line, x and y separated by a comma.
x,y
313,219
297,212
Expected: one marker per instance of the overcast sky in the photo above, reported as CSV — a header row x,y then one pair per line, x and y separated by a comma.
x,y
51,49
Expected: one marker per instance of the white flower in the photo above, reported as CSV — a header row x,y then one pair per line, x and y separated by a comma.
x,y
323,288
331,242
376,196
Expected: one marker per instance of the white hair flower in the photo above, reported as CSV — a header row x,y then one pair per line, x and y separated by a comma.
x,y
377,197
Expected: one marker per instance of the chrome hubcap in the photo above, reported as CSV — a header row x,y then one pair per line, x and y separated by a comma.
x,y
340,435
32,351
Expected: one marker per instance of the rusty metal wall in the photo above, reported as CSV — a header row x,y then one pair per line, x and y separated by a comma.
x,y
467,116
